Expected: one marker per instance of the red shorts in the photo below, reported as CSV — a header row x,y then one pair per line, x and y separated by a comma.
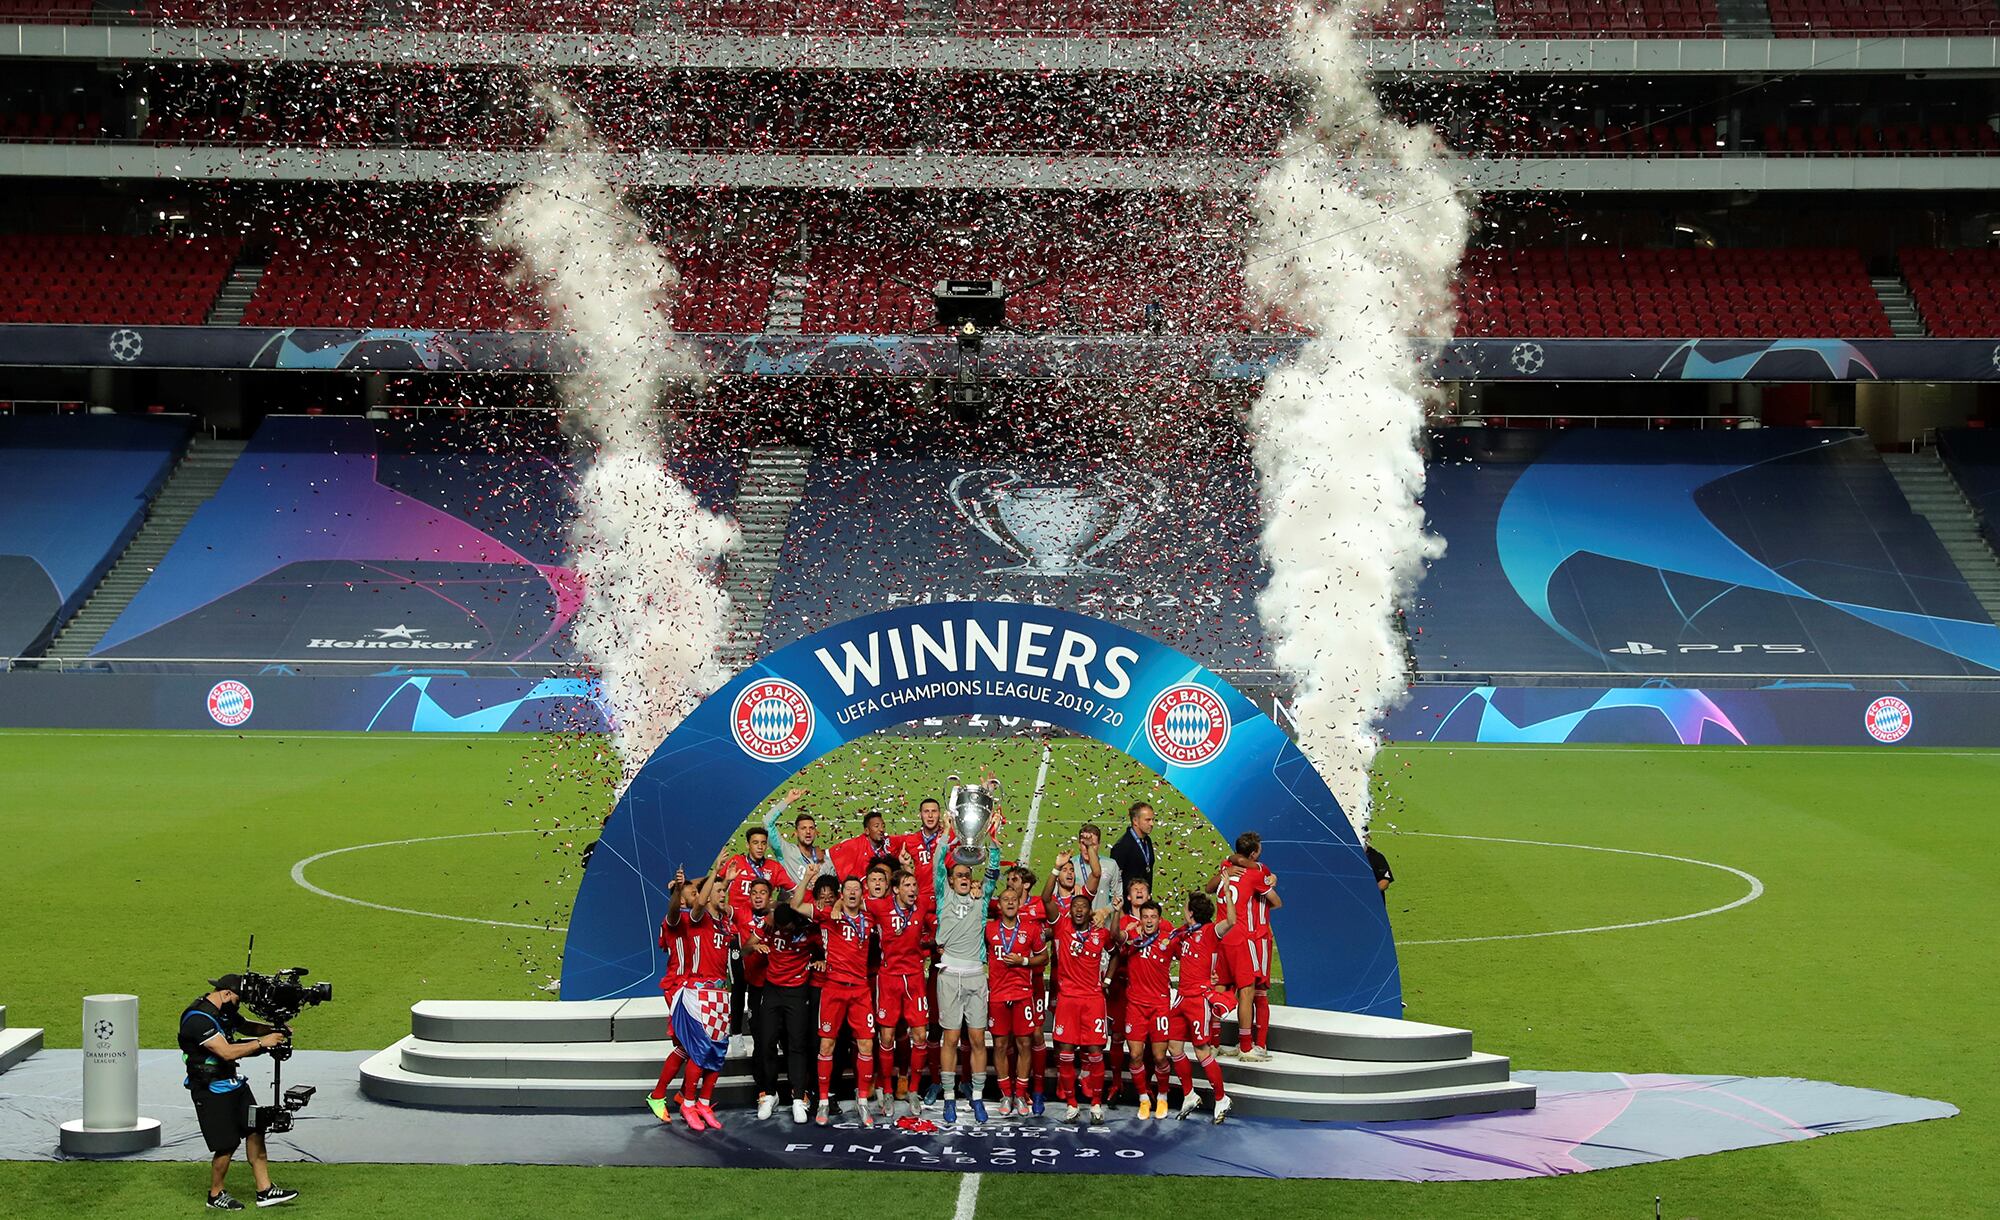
x,y
902,999
1192,1020
850,1006
1011,1018
1080,1020
1145,1023
1247,963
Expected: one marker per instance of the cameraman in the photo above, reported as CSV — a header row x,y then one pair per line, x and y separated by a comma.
x,y
222,1099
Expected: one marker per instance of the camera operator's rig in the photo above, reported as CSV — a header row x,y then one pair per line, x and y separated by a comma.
x,y
279,998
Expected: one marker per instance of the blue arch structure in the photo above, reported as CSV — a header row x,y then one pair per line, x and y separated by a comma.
x,y
1001,659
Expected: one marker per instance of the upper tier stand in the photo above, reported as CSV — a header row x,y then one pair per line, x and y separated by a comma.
x,y
605,1055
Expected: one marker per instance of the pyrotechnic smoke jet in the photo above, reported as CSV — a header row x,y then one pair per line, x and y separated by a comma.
x,y
653,616
1360,227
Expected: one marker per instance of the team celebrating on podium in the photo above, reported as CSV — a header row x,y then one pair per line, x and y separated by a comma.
x,y
896,957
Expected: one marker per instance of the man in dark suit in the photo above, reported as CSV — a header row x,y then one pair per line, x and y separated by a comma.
x,y
1134,849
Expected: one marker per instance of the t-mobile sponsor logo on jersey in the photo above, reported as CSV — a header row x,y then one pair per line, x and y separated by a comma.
x,y
1636,648
400,636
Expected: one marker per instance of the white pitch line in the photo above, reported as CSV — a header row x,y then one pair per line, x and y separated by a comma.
x,y
968,1198
1035,803
1756,889
299,877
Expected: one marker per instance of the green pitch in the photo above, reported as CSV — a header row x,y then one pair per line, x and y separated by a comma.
x,y
1867,960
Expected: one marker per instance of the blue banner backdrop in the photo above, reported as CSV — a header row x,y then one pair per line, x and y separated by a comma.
x,y
1082,674
1220,357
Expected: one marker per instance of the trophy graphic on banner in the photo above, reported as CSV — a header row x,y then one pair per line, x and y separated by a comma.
x,y
972,807
1053,530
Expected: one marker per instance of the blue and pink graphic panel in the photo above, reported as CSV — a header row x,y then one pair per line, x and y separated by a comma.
x,y
348,540
73,491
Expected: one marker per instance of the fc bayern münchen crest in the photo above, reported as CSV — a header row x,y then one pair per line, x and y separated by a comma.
x,y
773,720
1889,719
1188,725
230,703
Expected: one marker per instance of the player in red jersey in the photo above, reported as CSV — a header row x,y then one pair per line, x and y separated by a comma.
x,y
851,857
753,865
749,932
1016,952
786,1016
876,884
1035,911
695,937
902,992
922,846
1193,1022
1079,943
1242,882
848,997
1124,918
1146,946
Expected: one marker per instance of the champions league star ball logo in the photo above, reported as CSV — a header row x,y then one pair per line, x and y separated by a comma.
x,y
126,346
1889,719
230,703
103,1030
1053,531
1187,725
772,720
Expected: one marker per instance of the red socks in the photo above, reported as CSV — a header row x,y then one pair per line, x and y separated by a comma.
x,y
1139,1078
1038,1056
671,1069
708,1086
1213,1071
864,1076
1263,1020
825,1077
1093,1075
885,1058
1066,1076
1184,1070
1160,1079
691,1082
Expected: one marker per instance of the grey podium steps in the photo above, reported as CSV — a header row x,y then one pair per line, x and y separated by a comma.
x,y
16,1044
605,1054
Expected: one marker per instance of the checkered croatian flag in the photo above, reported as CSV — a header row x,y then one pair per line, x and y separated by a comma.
x,y
701,1026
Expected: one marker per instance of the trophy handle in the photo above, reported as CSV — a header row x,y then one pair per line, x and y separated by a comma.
x,y
975,506
1129,501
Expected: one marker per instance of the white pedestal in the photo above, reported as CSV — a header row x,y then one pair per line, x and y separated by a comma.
x,y
76,1139
110,1125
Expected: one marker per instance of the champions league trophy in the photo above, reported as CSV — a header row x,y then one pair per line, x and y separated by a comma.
x,y
1053,530
972,807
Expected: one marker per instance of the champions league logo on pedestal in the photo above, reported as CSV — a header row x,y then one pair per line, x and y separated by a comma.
x,y
1053,530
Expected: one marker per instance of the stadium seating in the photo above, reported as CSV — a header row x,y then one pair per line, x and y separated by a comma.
x,y
1973,457
75,490
1957,291
1776,551
104,278
457,284
1597,291
1808,18
56,127
1622,18
333,534
1692,139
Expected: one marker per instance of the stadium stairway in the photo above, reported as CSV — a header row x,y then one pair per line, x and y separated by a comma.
x,y
1470,18
774,481
786,314
234,296
195,478
605,1055
1936,496
1904,322
16,1044
1744,18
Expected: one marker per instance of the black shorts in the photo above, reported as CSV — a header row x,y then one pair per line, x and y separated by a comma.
x,y
225,1117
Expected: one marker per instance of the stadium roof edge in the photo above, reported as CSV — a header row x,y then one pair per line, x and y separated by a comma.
x,y
1471,56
